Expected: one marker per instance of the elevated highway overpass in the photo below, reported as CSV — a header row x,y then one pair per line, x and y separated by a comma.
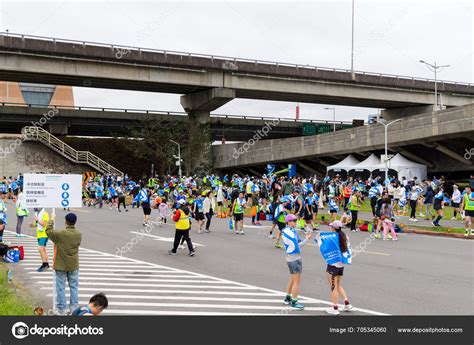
x,y
207,82
94,121
437,139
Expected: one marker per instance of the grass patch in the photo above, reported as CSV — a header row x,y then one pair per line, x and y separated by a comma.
x,y
13,299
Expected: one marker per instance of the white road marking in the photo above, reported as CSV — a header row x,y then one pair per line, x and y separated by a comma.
x,y
164,239
127,280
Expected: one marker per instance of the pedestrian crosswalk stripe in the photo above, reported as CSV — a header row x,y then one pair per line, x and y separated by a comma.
x,y
158,285
150,280
175,292
136,287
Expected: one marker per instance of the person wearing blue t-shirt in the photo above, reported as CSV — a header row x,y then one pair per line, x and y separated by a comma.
x,y
293,243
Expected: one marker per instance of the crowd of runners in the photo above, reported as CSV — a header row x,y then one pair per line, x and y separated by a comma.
x,y
294,205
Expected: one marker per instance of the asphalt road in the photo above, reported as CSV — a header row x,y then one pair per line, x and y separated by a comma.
x,y
417,275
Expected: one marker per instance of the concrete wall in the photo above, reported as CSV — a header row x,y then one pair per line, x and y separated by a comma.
x,y
423,128
30,157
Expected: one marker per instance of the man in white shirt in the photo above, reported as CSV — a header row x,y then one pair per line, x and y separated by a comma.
x,y
456,201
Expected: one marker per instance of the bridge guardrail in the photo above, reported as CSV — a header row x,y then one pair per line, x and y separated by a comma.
x,y
235,59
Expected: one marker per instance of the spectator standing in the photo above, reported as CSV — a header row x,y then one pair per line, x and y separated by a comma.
x,y
66,262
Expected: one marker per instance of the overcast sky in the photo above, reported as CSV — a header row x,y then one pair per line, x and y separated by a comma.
x,y
390,37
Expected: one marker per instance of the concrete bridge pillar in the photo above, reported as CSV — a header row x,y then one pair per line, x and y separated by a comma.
x,y
199,105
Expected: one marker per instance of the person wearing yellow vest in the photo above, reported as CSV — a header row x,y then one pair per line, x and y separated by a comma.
x,y
21,213
183,225
354,206
41,219
468,206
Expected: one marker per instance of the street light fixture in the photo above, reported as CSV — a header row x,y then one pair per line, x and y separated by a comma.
x,y
434,68
178,161
333,117
383,122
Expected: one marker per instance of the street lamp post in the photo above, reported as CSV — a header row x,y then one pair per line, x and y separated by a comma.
x,y
434,68
386,147
352,45
178,158
333,117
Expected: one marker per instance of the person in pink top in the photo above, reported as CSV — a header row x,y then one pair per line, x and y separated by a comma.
x,y
164,211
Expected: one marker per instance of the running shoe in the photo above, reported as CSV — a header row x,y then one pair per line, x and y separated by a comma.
x,y
242,232
332,311
278,245
287,300
207,230
389,236
192,253
170,252
348,307
296,305
271,236
466,233
378,236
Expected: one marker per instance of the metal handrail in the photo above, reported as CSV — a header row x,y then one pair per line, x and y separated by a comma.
x,y
85,157
174,113
235,59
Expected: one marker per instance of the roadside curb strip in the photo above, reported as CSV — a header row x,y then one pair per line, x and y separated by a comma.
x,y
432,233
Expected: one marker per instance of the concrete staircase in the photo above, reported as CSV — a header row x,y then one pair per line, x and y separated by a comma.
x,y
81,157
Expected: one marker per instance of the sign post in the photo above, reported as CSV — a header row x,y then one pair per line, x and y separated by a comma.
x,y
53,190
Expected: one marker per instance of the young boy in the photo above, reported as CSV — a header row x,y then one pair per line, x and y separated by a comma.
x,y
96,305
42,218
292,243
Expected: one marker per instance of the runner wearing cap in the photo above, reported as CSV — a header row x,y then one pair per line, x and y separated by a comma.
x,y
183,225
335,266
292,243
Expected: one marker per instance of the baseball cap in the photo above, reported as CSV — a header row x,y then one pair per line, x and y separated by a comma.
x,y
290,217
336,224
181,201
455,186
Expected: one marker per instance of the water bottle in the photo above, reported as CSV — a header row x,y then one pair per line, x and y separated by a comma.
x,y
9,276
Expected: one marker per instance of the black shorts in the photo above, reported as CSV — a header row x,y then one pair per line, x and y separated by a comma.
x,y
281,225
238,217
219,203
315,209
332,211
146,208
308,215
469,213
199,216
335,271
437,206
92,195
456,204
15,192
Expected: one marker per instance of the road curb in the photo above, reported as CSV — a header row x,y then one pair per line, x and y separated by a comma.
x,y
432,233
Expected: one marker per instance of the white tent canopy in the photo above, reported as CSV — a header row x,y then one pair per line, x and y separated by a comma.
x,y
370,163
346,164
407,168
